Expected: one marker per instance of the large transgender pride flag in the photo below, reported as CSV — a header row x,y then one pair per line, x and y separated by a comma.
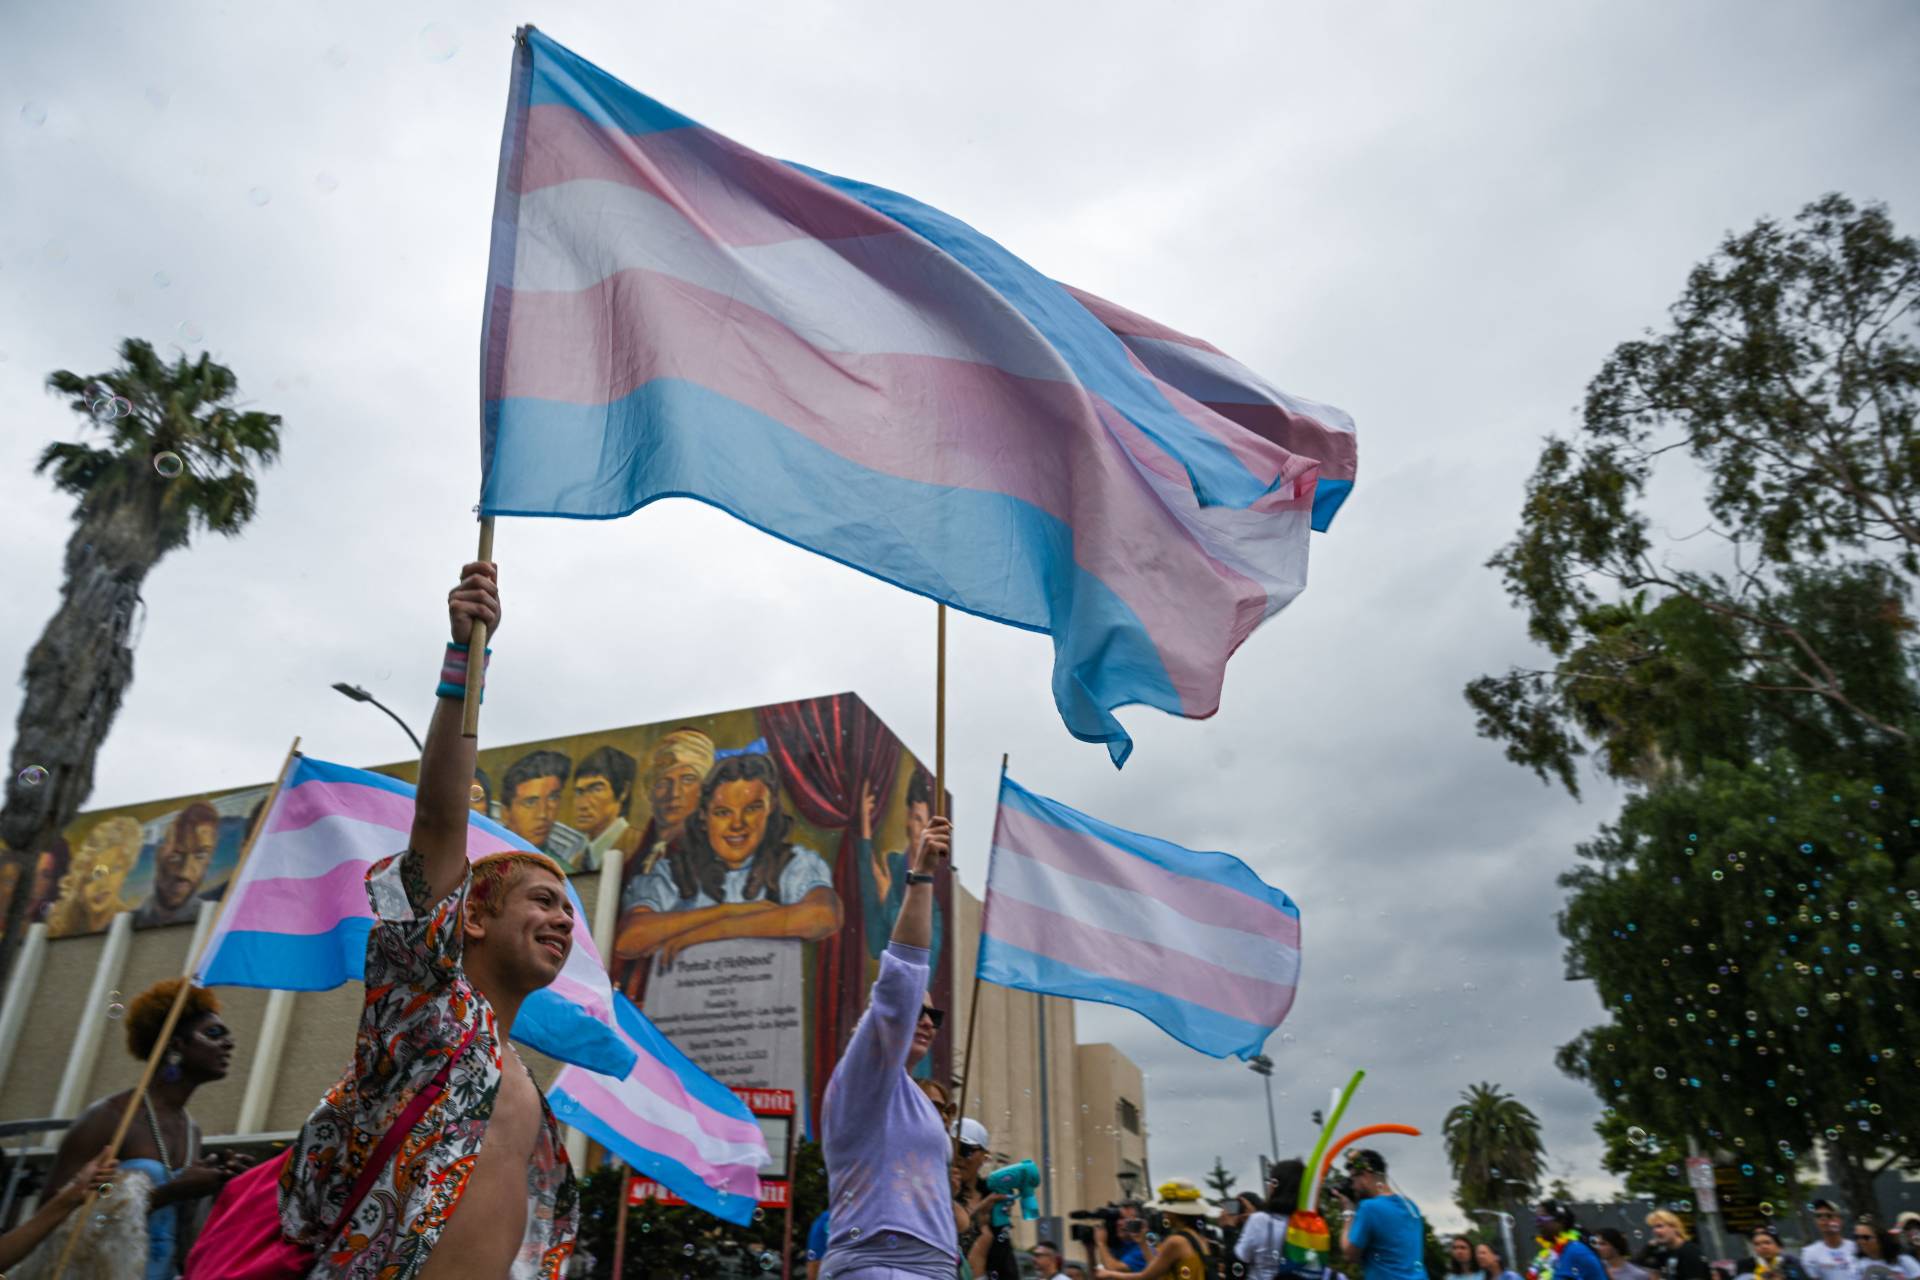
x,y
298,917
669,1120
1076,907
669,313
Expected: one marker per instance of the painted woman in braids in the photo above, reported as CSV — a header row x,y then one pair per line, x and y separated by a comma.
x,y
733,873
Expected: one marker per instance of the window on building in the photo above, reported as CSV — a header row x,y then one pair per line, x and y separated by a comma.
x,y
1129,1116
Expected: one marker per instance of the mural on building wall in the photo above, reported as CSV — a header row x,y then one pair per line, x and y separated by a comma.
x,y
761,856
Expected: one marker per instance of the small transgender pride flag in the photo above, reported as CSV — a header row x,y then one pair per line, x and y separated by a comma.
x,y
298,918
1196,942
671,314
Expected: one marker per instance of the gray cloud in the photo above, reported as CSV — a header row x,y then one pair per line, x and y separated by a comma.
x,y
1440,218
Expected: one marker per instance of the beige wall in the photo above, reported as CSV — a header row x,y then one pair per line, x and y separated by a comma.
x,y
1108,1077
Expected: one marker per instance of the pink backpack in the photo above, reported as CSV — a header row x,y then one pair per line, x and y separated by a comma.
x,y
241,1239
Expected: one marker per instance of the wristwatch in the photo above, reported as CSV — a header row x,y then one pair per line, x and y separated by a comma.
x,y
919,877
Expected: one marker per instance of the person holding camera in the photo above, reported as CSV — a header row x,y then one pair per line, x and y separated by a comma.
x,y
1120,1249
1383,1233
1181,1254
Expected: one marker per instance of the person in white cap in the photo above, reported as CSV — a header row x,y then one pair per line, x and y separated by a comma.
x,y
886,1146
1181,1254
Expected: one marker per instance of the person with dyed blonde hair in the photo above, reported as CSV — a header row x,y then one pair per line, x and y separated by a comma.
x,y
481,1186
90,891
1671,1254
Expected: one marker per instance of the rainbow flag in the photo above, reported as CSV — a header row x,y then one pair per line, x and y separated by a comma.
x,y
1077,907
298,917
672,314
669,1120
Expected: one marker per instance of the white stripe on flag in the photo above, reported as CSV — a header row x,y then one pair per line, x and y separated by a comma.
x,y
1136,915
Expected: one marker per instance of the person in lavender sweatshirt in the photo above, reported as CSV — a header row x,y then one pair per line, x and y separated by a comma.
x,y
886,1149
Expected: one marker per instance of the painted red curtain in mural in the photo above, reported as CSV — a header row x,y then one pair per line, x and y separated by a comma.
x,y
830,752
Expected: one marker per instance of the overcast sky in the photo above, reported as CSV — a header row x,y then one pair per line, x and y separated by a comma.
x,y
1439,217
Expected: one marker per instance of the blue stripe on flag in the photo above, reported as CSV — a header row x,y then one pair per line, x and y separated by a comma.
x,y
1327,497
687,440
671,1174
563,77
1207,1030
1093,352
290,961
546,1018
1219,868
311,770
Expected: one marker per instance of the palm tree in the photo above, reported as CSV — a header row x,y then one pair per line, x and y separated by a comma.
x,y
1493,1142
173,455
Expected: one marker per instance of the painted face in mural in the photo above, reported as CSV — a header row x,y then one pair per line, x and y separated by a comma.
x,y
182,863
46,876
676,791
533,809
918,815
595,803
737,819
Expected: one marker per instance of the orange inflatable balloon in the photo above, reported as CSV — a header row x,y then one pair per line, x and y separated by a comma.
x,y
1369,1131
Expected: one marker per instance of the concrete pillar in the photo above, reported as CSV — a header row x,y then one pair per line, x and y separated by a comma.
x,y
22,984
92,1020
261,1076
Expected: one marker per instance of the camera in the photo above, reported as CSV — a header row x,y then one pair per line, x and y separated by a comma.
x,y
1119,1225
1340,1184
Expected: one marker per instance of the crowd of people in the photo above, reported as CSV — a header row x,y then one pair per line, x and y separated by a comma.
x,y
436,1156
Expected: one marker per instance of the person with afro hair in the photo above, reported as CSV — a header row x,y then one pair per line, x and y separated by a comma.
x,y
161,1163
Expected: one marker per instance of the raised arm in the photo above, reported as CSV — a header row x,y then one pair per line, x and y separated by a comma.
x,y
914,928
442,805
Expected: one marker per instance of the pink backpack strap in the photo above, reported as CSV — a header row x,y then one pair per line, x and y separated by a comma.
x,y
422,1102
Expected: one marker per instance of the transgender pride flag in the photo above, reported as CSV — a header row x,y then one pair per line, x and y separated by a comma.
x,y
1078,908
298,917
669,313
669,1120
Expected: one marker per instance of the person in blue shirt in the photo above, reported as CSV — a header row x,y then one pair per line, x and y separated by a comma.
x,y
1121,1251
1384,1232
817,1244
1563,1254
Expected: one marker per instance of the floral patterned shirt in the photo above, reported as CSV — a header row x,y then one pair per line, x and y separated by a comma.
x,y
419,1007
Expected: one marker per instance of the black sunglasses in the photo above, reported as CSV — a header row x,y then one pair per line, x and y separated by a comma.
x,y
933,1015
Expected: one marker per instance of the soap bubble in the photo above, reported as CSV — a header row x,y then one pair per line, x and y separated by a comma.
x,y
33,115
191,332
438,43
327,183
168,464
116,1010
33,775
477,794
258,196
161,279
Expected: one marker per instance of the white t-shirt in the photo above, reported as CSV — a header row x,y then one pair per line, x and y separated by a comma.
x,y
1262,1245
1830,1262
1902,1266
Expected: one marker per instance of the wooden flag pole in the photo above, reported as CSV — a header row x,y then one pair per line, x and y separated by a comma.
x,y
940,717
179,1003
620,1224
477,648
973,1001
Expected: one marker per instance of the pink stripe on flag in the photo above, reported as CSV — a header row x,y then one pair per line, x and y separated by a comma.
x,y
1127,323
734,195
306,804
1079,854
1138,961
606,1104
1338,452
305,905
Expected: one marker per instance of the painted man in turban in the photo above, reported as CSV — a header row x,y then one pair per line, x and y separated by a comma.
x,y
676,767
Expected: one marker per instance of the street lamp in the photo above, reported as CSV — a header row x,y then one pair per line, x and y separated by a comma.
x,y
1129,1179
1261,1065
358,694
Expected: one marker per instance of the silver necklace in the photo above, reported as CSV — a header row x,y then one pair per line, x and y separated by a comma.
x,y
153,1123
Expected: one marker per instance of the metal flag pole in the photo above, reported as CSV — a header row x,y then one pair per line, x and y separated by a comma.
x,y
165,1034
